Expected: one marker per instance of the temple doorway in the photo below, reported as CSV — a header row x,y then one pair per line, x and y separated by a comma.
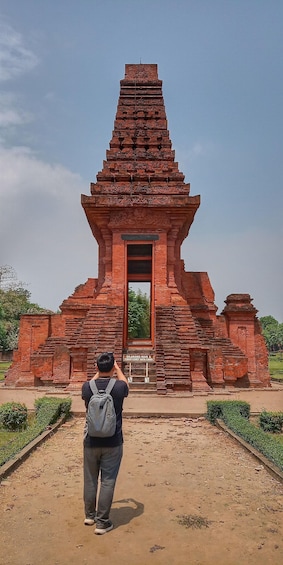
x,y
138,311
138,357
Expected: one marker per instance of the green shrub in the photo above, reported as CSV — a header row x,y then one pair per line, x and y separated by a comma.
x,y
235,417
271,422
50,408
13,416
48,411
215,408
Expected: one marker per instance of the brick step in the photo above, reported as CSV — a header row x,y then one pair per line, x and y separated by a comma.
x,y
102,331
49,346
139,344
207,327
145,388
72,329
173,345
228,348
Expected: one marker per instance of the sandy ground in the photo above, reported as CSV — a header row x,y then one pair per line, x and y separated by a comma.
x,y
174,471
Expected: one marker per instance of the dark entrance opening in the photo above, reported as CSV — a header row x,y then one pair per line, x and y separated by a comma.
x,y
139,292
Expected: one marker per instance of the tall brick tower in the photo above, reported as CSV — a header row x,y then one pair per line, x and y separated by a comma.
x,y
140,211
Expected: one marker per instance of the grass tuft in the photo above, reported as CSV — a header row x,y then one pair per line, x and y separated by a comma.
x,y
193,521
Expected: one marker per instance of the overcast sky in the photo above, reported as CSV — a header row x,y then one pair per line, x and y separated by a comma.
x,y
221,64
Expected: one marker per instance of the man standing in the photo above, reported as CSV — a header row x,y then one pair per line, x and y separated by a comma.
x,y
102,456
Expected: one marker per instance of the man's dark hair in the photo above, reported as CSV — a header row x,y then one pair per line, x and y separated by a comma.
x,y
105,362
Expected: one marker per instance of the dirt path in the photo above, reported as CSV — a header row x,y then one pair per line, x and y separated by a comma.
x,y
171,468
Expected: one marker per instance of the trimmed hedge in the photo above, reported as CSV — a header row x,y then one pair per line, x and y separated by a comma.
x,y
235,415
48,411
215,409
271,422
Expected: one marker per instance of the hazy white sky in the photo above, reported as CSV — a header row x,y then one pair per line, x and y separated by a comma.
x,y
221,64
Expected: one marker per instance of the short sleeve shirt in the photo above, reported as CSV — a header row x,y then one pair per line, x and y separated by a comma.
x,y
119,392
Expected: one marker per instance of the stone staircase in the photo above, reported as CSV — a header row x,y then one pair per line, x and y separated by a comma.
x,y
102,330
179,335
176,334
73,328
207,334
232,355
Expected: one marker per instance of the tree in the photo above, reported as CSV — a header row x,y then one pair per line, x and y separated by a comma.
x,y
280,336
8,278
14,301
138,314
272,332
268,322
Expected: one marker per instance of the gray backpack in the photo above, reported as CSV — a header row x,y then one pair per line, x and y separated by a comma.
x,y
101,415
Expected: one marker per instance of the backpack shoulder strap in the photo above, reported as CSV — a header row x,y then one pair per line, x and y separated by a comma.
x,y
93,386
110,385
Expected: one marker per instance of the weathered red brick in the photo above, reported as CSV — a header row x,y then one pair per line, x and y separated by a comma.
x,y
141,194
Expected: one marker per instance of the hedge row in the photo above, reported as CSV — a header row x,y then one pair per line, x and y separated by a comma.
x,y
235,414
48,411
271,422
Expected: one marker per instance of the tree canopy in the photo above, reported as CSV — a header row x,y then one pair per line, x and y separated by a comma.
x,y
14,301
138,314
273,333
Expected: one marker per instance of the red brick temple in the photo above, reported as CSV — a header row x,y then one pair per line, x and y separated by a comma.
x,y
140,211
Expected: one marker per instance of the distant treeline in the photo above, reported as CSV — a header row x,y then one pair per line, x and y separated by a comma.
x,y
14,301
273,333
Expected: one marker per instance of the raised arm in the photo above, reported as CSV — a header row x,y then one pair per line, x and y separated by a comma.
x,y
120,374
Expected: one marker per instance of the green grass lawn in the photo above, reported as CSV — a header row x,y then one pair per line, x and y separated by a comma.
x,y
7,436
255,421
4,366
276,366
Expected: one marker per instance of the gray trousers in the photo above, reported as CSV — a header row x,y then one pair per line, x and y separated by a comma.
x,y
100,463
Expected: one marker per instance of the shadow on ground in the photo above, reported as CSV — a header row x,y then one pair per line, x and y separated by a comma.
x,y
125,510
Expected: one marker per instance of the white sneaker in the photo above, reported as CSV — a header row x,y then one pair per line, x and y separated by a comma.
x,y
89,521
